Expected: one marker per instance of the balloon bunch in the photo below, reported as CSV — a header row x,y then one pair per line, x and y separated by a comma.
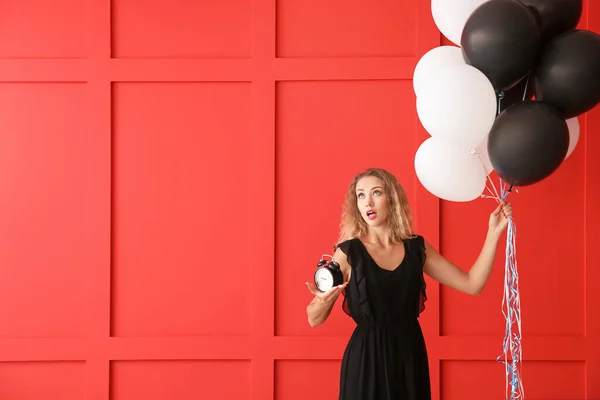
x,y
507,99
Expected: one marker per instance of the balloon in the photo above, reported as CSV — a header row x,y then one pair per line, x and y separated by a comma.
x,y
501,38
573,125
555,16
435,58
450,16
568,74
528,142
484,156
449,172
457,103
515,94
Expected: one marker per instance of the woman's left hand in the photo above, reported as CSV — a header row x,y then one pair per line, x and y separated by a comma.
x,y
499,218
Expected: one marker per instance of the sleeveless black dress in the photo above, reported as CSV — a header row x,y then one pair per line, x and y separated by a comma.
x,y
386,356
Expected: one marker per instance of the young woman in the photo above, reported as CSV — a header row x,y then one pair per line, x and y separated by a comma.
x,y
383,263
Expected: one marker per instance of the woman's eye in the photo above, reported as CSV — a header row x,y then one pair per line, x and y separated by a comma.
x,y
377,192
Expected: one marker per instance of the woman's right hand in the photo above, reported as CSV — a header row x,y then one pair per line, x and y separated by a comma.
x,y
329,296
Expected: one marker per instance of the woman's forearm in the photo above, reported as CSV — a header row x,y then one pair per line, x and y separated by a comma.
x,y
318,310
482,269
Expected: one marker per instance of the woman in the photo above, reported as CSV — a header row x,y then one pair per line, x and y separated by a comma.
x,y
383,263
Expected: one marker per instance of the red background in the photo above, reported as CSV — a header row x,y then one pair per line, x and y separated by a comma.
x,y
172,171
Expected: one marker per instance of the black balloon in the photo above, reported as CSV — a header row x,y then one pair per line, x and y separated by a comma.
x,y
524,90
568,74
555,16
501,39
528,142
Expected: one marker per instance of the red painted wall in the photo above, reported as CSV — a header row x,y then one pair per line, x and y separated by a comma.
x,y
171,173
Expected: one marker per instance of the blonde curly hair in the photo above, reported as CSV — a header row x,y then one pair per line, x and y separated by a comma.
x,y
399,213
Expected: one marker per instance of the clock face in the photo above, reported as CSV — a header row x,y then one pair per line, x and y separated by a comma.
x,y
323,279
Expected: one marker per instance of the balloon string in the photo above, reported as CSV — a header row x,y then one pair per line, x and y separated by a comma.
x,y
511,304
495,193
525,91
511,299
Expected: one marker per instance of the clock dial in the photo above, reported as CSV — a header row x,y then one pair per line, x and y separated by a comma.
x,y
323,279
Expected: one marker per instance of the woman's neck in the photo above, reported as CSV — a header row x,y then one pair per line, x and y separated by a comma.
x,y
379,236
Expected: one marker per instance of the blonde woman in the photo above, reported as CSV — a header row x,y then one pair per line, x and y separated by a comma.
x,y
383,262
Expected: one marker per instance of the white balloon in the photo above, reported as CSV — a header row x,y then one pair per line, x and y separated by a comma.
x,y
449,172
450,16
484,156
573,125
435,58
457,103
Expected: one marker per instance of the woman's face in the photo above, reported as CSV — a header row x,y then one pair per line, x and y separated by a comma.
x,y
371,200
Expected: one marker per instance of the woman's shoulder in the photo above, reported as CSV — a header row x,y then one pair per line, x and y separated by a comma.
x,y
415,238
345,244
418,246
344,253
416,242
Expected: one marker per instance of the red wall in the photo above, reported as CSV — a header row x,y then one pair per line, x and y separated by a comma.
x,y
172,172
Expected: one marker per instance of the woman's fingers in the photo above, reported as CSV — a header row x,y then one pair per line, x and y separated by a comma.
x,y
313,289
334,292
328,295
331,293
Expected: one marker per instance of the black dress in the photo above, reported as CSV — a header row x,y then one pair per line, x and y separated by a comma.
x,y
386,357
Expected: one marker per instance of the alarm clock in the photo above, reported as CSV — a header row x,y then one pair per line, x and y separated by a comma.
x,y
328,274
